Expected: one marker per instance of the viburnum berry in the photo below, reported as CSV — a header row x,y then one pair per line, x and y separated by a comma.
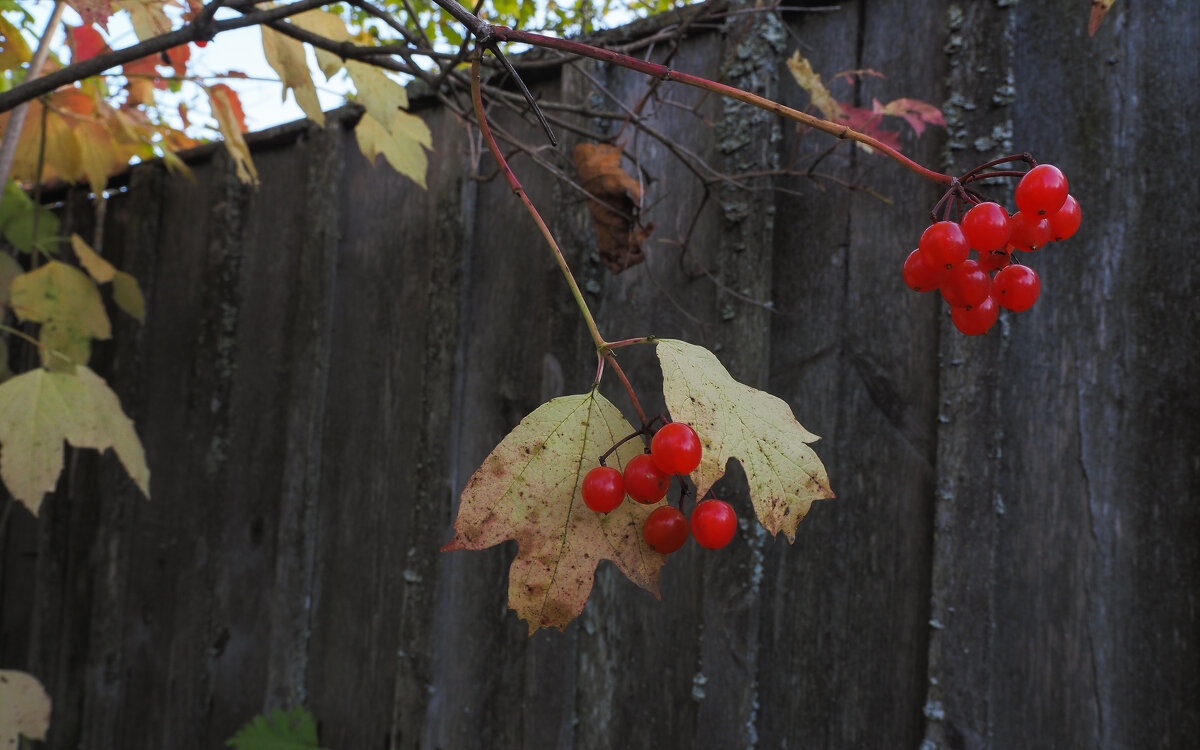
x,y
943,244
665,530
1065,221
713,523
1029,231
1016,288
920,274
977,319
676,448
1041,191
644,481
201,43
967,285
603,489
996,259
986,227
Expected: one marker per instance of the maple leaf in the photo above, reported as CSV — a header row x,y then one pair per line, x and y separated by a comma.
x,y
330,26
810,81
68,306
528,489
914,111
84,42
736,421
40,409
227,108
126,292
24,708
287,58
395,144
16,219
98,268
14,51
1100,9
93,11
279,730
128,296
619,236
148,17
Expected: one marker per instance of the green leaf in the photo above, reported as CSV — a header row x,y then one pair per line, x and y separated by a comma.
x,y
736,421
9,270
40,409
128,296
16,220
24,708
280,730
528,489
67,304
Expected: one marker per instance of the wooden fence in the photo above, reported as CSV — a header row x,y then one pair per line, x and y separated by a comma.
x,y
1013,558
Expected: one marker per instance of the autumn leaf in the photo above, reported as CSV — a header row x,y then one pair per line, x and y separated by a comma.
x,y
24,708
14,51
615,206
330,26
736,421
128,296
148,17
40,409
287,58
68,306
400,150
915,112
227,108
93,11
1100,9
16,219
528,489
280,730
84,42
810,81
98,268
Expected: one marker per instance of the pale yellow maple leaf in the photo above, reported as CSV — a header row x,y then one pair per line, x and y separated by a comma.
x,y
24,708
68,306
287,58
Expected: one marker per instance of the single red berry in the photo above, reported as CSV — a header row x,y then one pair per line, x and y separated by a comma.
x,y
1041,191
1016,288
201,43
920,274
713,523
976,319
676,448
996,259
986,227
967,285
1065,221
943,244
644,481
665,530
1029,231
603,489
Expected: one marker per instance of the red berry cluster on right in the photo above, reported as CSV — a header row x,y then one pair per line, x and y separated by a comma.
x,y
674,449
976,288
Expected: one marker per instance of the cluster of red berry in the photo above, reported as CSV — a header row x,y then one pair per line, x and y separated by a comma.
x,y
674,449
977,288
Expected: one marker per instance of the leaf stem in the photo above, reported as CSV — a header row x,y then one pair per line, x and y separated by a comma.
x,y
664,73
631,342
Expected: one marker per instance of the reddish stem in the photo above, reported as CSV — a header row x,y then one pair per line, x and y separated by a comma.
x,y
663,73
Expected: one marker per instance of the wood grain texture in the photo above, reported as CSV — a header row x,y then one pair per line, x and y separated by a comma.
x,y
1011,560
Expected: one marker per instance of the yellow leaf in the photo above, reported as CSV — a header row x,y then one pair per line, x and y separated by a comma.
x,y
98,154
99,268
128,296
736,421
382,96
528,489
24,708
147,16
68,306
14,52
330,26
804,74
40,409
286,57
404,154
235,144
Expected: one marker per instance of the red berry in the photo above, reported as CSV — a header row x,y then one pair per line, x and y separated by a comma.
x,y
1065,221
644,481
1016,288
986,227
967,285
977,319
996,259
603,489
665,530
943,244
1042,190
676,448
201,43
920,274
713,523
1029,231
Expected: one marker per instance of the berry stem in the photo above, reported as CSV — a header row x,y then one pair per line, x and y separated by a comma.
x,y
477,100
1025,157
663,73
637,405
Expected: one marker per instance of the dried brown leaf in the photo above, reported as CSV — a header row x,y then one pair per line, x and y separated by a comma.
x,y
619,234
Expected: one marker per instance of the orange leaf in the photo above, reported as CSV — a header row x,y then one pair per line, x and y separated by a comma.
x,y
235,105
227,109
84,42
178,57
1100,9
